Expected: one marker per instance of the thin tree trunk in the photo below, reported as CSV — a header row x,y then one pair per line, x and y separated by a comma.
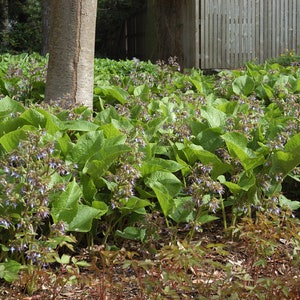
x,y
4,22
46,12
70,78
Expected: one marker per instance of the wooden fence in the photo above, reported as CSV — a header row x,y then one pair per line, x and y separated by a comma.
x,y
235,31
214,34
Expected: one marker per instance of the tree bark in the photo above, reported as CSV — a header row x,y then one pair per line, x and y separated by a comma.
x,y
70,76
4,22
46,13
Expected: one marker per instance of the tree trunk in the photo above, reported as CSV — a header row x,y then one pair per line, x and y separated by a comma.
x,y
46,12
4,22
70,77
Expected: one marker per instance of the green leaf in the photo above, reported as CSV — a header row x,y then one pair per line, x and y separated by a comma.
x,y
9,105
247,180
101,207
214,117
80,263
79,125
11,140
265,91
64,259
243,85
110,130
171,183
198,85
134,204
286,160
163,196
293,144
142,91
53,123
208,158
237,146
88,188
165,186
209,139
289,204
190,152
33,117
64,144
66,206
87,145
4,88
112,93
101,161
233,187
152,127
160,164
132,233
182,210
285,83
83,220
205,218
9,270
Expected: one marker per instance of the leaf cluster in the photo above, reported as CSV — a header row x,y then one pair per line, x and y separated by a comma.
x,y
187,147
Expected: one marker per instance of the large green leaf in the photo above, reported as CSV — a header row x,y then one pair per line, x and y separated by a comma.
x,y
237,146
165,186
243,85
214,117
87,145
264,91
190,152
171,183
287,159
285,83
182,210
100,162
53,123
142,91
9,270
287,203
152,127
9,105
65,208
160,164
88,188
41,119
209,139
110,130
34,117
134,204
79,125
11,140
132,233
208,158
112,93
163,196
83,220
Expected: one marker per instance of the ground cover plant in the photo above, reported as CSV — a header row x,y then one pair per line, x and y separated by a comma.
x,y
176,186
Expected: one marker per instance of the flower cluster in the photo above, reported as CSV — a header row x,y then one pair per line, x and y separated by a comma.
x,y
204,190
123,181
29,78
29,175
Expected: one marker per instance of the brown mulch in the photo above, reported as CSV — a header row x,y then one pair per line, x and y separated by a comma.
x,y
204,268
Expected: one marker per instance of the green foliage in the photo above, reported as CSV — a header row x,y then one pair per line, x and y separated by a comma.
x,y
286,59
24,33
188,147
23,76
9,270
